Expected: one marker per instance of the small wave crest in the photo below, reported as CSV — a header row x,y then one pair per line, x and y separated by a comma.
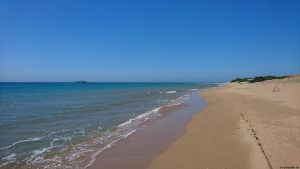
x,y
170,92
21,141
8,159
179,100
83,155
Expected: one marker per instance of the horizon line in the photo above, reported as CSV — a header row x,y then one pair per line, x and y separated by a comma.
x,y
83,82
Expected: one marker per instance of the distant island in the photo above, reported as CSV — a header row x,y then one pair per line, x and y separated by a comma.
x,y
81,82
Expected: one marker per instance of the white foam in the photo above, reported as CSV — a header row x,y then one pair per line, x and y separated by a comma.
x,y
106,147
83,155
4,164
170,92
10,157
37,152
90,149
22,141
179,100
142,116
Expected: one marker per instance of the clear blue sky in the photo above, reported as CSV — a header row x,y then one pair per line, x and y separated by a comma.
x,y
68,40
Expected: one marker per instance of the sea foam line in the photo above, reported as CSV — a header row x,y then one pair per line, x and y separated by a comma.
x,y
22,141
170,92
91,149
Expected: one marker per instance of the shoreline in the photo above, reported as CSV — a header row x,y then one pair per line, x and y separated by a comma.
x,y
243,126
96,124
137,150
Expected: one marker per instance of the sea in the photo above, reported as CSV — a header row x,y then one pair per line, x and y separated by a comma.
x,y
66,125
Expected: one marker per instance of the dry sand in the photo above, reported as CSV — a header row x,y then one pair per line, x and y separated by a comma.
x,y
244,126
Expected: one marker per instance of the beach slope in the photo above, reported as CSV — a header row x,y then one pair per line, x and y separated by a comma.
x,y
244,126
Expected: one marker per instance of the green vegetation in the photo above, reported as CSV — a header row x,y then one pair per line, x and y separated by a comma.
x,y
239,80
257,79
263,78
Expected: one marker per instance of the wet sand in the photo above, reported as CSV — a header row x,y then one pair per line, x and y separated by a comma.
x,y
136,151
244,126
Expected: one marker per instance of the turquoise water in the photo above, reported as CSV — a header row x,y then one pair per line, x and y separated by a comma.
x,y
65,125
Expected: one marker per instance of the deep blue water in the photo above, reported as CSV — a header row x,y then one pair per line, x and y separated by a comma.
x,y
61,125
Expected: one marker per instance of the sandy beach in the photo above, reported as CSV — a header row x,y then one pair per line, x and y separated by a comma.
x,y
205,84
243,126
